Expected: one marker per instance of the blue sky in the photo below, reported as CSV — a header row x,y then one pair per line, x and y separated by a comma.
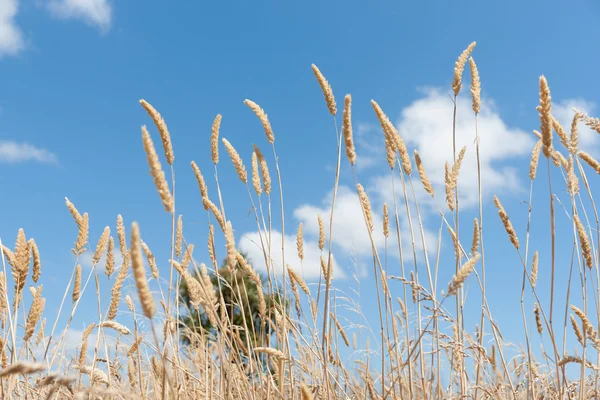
x,y
72,73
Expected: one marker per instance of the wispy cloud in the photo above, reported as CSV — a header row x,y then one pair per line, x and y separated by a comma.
x,y
12,152
11,39
309,268
97,13
426,125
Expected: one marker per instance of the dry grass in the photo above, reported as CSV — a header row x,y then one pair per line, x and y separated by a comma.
x,y
424,349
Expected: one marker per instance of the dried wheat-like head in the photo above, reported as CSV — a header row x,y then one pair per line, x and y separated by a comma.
x,y
214,139
475,86
459,67
326,88
262,116
162,130
347,129
157,172
545,110
137,264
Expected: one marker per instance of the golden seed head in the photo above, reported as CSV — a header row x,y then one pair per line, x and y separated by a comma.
x,y
260,113
214,139
475,86
459,67
327,91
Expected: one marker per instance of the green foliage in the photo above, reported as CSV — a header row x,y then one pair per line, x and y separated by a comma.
x,y
236,288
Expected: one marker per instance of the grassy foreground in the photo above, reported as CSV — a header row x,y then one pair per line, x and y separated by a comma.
x,y
134,349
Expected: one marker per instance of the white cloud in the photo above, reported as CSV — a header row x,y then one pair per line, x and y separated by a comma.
x,y
11,39
94,12
589,140
86,260
426,125
310,267
13,152
350,232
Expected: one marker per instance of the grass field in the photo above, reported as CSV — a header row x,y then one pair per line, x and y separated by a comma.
x,y
138,353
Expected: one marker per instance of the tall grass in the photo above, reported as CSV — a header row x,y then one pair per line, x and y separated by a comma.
x,y
424,349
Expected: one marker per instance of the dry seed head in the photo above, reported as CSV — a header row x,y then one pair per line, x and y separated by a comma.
x,y
214,139
260,113
560,131
449,188
534,268
82,236
572,180
459,67
230,245
321,232
35,312
475,243
77,284
591,161
255,176
389,134
462,275
101,246
424,179
475,86
305,393
146,299
366,205
135,346
347,129
324,269
264,169
40,334
116,289
298,279
588,328
84,344
340,330
327,91
179,236
162,129
270,351
22,256
574,139
576,329
121,236
456,167
386,221
209,205
507,224
37,264
545,110
187,255
151,260
157,172
593,123
110,257
201,182
211,245
535,158
586,249
538,319
123,330
21,368
401,146
76,215
300,242
237,161
129,301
